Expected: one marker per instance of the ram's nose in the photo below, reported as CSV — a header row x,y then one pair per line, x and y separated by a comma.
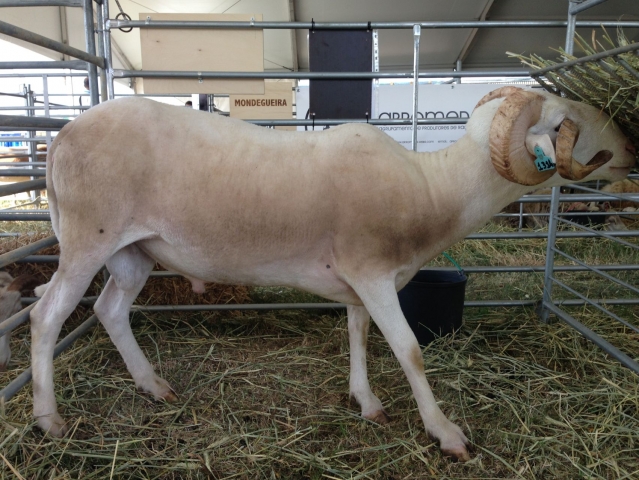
x,y
631,148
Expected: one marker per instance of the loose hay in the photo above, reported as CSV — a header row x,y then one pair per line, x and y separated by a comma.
x,y
606,84
266,395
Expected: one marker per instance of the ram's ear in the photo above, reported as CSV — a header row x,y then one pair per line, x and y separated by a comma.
x,y
542,141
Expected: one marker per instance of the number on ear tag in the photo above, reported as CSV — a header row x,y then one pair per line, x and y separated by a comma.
x,y
543,162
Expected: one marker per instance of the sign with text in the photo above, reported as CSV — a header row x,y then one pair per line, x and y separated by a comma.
x,y
276,103
435,101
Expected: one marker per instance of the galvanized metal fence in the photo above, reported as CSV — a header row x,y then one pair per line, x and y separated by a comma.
x,y
99,68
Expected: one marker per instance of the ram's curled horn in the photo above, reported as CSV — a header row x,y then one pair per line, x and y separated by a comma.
x,y
507,138
568,167
498,93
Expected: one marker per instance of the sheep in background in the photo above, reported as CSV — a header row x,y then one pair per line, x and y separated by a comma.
x,y
345,213
10,289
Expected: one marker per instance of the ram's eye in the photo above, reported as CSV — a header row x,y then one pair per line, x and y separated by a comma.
x,y
557,127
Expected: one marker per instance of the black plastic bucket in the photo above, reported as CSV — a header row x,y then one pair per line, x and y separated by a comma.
x,y
433,303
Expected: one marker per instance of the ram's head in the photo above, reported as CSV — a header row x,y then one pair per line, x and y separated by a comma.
x,y
535,135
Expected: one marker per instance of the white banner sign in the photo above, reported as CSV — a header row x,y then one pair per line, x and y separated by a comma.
x,y
435,101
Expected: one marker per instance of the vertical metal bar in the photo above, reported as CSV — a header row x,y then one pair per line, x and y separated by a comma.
x,y
458,67
103,81
89,34
108,59
33,146
521,216
544,312
417,30
375,86
570,30
45,92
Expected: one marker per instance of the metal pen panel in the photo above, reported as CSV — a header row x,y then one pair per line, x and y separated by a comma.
x,y
316,75
171,24
15,255
25,377
31,37
20,187
70,64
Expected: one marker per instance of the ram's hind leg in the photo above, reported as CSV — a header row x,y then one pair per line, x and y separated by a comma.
x,y
360,390
129,269
62,295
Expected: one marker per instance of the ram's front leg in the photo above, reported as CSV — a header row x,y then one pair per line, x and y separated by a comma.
x,y
360,390
380,298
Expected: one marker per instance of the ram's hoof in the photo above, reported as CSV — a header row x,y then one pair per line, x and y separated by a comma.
x,y
159,389
380,416
53,425
452,441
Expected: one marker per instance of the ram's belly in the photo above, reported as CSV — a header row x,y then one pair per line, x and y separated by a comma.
x,y
308,267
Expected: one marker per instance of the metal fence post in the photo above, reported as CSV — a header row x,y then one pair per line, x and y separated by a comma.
x,y
417,30
89,35
108,60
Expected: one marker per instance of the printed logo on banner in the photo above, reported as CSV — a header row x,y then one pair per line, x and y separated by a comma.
x,y
435,101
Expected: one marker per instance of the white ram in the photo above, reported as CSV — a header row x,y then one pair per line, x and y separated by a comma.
x,y
346,213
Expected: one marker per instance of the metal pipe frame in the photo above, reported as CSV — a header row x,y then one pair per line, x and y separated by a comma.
x,y
554,203
103,79
113,23
25,377
607,347
106,54
20,187
23,172
547,305
13,164
601,234
89,36
40,3
315,75
595,304
16,217
22,252
31,37
596,270
31,123
15,320
71,107
70,64
39,74
417,32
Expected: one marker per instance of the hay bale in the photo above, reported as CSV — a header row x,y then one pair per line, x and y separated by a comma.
x,y
157,291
